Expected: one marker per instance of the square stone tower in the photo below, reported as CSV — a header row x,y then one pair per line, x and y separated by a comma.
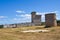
x,y
50,19
36,19
33,14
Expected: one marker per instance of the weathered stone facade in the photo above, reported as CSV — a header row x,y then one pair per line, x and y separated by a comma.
x,y
50,19
36,19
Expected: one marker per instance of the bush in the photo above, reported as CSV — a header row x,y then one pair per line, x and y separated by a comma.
x,y
47,26
58,22
1,26
43,23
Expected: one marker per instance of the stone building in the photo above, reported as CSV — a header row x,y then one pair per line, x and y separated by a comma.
x,y
36,19
50,19
27,24
9,26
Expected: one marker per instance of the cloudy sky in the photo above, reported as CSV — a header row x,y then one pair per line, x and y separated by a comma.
x,y
19,11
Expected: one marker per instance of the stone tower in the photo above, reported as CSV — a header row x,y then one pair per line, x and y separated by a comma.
x,y
33,16
50,19
36,19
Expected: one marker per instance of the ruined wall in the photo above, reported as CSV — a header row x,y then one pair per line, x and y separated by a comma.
x,y
50,19
36,19
33,14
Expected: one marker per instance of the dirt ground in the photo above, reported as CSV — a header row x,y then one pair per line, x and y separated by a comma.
x,y
16,34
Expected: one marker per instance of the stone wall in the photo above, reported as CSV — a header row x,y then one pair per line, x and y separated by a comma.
x,y
50,19
36,19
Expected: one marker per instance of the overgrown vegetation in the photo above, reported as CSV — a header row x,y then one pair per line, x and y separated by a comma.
x,y
43,23
58,21
1,26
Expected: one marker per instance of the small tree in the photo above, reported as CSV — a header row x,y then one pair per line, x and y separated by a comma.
x,y
1,26
58,22
43,23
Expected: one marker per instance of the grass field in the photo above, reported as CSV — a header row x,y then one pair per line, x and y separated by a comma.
x,y
16,34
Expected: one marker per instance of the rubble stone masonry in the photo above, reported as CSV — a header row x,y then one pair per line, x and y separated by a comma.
x,y
36,19
50,19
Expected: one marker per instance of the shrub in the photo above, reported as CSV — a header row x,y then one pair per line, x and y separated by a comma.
x,y
43,23
58,22
1,26
47,26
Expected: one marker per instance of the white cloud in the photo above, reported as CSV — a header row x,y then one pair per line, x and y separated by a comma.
x,y
15,19
39,13
3,17
43,14
27,17
20,20
23,18
19,11
52,12
24,15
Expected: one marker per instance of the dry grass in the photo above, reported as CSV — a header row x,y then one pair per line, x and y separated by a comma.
x,y
16,34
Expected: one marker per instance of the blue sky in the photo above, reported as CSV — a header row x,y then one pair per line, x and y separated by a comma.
x,y
18,11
